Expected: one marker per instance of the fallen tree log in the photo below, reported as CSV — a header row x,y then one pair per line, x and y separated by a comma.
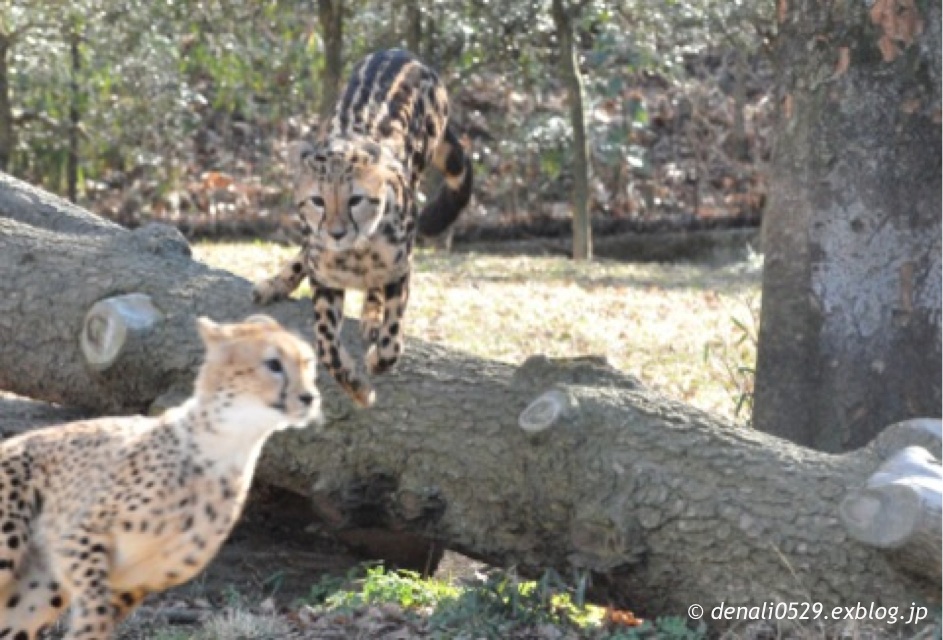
x,y
566,464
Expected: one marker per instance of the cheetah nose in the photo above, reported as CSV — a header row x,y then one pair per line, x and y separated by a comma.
x,y
306,399
337,234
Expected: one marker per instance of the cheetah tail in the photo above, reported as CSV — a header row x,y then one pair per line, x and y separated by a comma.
x,y
450,158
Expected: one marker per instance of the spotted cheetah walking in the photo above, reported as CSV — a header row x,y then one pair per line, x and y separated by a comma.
x,y
98,514
356,192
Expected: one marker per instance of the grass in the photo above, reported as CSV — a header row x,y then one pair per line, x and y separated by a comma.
x,y
372,602
678,328
231,624
500,605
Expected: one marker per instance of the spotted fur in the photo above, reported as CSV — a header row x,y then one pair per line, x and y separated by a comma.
x,y
356,197
98,514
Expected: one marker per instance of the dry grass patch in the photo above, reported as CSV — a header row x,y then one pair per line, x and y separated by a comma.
x,y
679,328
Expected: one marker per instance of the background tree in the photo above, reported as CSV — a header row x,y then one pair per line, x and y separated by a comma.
x,y
850,329
74,36
414,27
7,141
186,111
19,28
565,16
331,22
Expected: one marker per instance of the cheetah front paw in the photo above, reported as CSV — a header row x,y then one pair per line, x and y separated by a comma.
x,y
267,291
360,391
378,364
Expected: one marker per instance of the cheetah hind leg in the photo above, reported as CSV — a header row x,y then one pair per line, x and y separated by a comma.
x,y
31,603
30,598
92,616
125,602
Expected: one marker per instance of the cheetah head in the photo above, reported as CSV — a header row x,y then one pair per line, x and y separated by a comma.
x,y
258,372
341,190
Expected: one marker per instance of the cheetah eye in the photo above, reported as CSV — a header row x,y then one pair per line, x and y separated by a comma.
x,y
274,365
355,200
317,201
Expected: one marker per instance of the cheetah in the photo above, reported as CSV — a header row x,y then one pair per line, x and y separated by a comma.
x,y
356,193
95,515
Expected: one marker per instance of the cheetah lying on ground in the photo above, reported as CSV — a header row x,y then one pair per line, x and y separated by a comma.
x,y
98,514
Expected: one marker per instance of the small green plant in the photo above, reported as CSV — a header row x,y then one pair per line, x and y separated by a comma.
x,y
324,588
404,588
274,582
233,597
504,602
492,608
735,357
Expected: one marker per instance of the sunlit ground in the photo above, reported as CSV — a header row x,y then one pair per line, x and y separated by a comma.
x,y
686,330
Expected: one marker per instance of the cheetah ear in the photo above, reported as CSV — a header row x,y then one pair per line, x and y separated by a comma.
x,y
211,332
298,152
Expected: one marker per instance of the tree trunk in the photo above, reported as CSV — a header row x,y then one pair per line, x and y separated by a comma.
x,y
850,328
331,17
570,67
414,26
72,164
7,140
556,463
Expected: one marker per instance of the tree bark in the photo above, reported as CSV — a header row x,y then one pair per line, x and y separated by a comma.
x,y
557,463
331,17
570,66
850,335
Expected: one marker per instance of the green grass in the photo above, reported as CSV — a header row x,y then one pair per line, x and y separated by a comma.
x,y
373,602
499,606
678,328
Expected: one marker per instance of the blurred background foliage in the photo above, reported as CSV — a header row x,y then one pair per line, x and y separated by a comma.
x,y
181,111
